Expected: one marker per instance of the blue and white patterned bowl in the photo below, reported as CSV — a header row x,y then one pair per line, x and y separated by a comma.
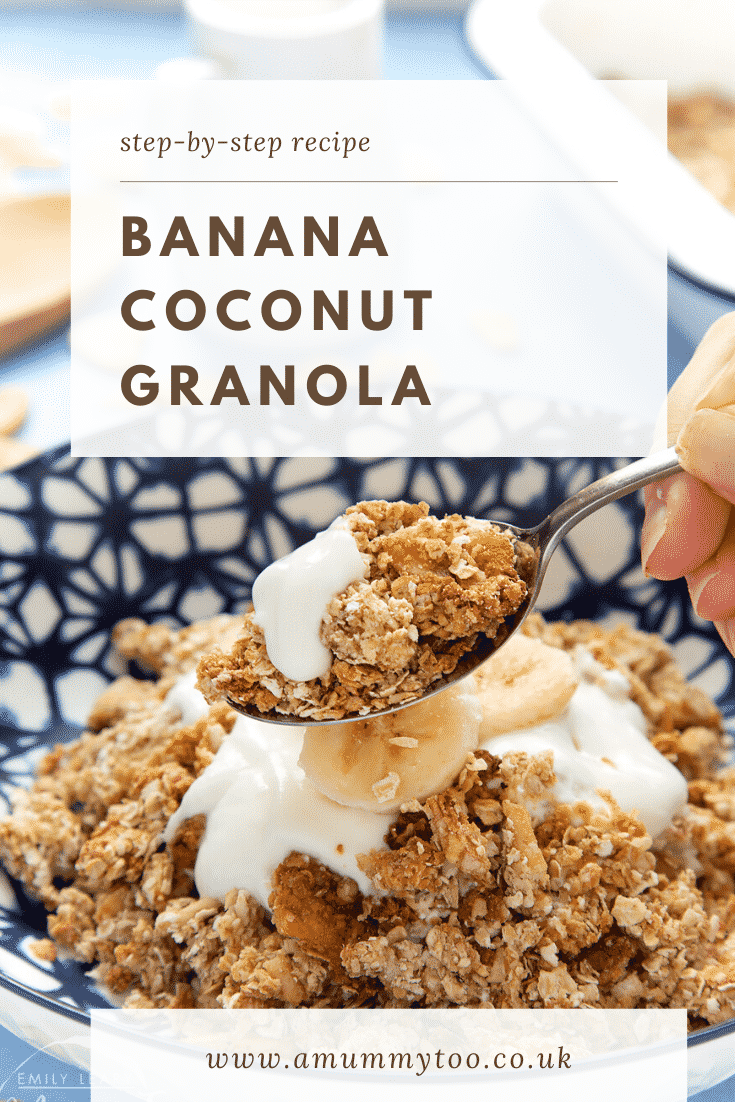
x,y
87,542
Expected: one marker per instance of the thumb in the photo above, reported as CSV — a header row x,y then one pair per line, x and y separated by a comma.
x,y
706,449
708,379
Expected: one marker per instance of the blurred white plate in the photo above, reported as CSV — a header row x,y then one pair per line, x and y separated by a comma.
x,y
557,47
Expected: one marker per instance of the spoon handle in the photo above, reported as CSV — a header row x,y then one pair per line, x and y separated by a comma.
x,y
599,493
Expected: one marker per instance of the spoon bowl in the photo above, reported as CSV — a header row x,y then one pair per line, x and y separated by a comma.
x,y
543,540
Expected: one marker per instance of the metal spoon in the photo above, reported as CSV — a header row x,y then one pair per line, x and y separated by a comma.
x,y
544,539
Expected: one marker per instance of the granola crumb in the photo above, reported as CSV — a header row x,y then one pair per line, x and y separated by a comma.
x,y
386,788
42,948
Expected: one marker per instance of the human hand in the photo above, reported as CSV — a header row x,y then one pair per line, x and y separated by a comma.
x,y
689,528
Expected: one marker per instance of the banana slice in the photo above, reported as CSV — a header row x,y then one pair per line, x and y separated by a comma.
x,y
382,762
524,683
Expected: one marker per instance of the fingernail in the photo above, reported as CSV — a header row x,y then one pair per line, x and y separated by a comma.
x,y
704,593
654,525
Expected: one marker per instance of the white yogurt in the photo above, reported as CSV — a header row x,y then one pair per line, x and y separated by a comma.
x,y
599,742
186,699
291,595
260,806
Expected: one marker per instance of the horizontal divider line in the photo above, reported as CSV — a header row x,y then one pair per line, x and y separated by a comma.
x,y
369,181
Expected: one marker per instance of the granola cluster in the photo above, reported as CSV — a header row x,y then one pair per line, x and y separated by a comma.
x,y
431,587
473,906
702,136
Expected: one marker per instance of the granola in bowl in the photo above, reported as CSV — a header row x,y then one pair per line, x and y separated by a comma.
x,y
488,892
488,888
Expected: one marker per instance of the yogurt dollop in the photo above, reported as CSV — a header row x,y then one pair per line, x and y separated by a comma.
x,y
291,595
260,806
599,742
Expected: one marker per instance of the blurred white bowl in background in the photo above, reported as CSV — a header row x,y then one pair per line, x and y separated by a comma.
x,y
554,47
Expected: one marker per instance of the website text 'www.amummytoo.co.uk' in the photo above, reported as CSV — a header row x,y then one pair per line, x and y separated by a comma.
x,y
418,1062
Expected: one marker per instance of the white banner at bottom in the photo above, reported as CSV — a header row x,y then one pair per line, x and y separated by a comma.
x,y
560,1055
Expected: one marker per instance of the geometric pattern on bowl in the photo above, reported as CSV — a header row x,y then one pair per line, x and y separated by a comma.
x,y
87,542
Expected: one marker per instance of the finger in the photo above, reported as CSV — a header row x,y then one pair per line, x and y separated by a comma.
x,y
715,353
706,449
712,585
726,628
685,524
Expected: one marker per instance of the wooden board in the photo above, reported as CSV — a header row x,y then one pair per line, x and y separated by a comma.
x,y
35,267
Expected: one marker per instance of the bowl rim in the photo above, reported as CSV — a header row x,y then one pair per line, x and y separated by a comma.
x,y
84,1017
